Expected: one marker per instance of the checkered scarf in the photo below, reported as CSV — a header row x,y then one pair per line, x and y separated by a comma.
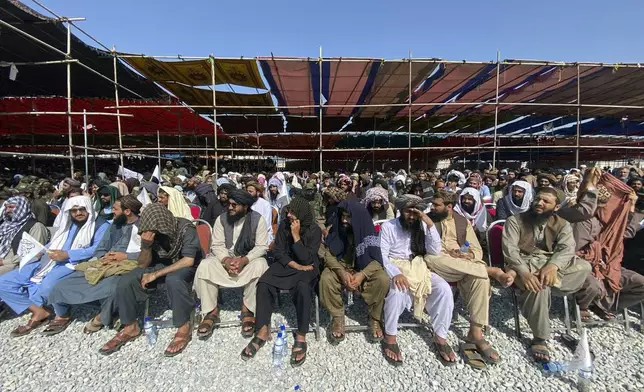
x,y
11,225
157,218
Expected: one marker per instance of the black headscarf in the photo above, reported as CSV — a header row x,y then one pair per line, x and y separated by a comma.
x,y
241,197
302,210
364,234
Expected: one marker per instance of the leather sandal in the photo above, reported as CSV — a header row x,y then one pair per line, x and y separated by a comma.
x,y
57,326
337,327
295,353
28,328
374,327
248,326
393,347
256,341
92,326
118,341
488,352
207,325
180,340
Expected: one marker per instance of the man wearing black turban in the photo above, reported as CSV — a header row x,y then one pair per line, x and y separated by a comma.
x,y
296,268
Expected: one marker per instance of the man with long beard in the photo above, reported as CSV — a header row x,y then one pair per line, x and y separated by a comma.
x,y
539,247
404,244
469,271
256,190
377,203
239,246
517,201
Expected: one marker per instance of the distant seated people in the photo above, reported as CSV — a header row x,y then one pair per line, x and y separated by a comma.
x,y
107,196
635,183
539,247
174,201
452,184
207,200
17,218
377,203
76,240
470,207
296,268
517,201
256,190
601,221
239,245
570,187
97,279
404,243
170,252
353,262
500,189
475,181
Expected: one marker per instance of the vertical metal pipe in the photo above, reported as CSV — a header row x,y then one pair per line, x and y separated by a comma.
x,y
86,158
214,111
496,106
206,151
159,152
409,125
116,98
578,118
69,98
320,106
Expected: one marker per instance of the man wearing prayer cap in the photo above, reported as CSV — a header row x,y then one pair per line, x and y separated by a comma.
x,y
240,242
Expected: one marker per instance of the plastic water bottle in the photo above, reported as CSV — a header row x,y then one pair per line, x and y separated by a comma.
x,y
466,247
150,331
197,319
285,336
349,298
559,367
582,363
161,323
279,351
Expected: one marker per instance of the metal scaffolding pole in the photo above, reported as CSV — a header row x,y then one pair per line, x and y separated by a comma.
x,y
116,98
214,112
409,118
578,117
86,158
320,108
496,106
159,152
69,99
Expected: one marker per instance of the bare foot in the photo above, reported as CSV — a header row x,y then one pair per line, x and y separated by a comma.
x,y
506,278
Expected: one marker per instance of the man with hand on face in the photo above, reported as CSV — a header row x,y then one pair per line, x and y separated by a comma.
x,y
296,268
539,247
353,260
170,250
239,245
404,244
97,280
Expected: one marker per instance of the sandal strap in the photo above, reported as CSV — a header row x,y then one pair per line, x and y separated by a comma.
x,y
443,348
58,323
247,314
393,347
298,344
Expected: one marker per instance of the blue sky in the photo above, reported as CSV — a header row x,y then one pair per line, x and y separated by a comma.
x,y
563,30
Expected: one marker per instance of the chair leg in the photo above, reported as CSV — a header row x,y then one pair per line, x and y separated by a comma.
x,y
567,316
642,317
317,318
517,324
146,312
627,323
580,324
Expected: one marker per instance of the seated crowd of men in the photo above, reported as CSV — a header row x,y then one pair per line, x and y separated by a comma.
x,y
401,244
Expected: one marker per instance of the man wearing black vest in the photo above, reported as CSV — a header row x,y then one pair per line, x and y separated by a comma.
x,y
17,219
469,271
239,245
540,247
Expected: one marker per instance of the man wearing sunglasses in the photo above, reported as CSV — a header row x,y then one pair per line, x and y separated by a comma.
x,y
75,240
239,245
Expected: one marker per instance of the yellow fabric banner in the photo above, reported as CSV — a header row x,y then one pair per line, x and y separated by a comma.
x,y
197,72
199,96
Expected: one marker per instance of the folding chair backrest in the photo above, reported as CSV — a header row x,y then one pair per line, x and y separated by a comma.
x,y
195,210
377,224
204,232
54,209
494,235
491,209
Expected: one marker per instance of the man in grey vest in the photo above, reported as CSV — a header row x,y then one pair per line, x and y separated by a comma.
x,y
239,246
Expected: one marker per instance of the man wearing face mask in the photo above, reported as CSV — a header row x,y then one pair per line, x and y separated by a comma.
x,y
353,260
97,279
517,201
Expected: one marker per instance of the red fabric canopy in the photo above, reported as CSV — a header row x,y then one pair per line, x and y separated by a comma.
x,y
179,120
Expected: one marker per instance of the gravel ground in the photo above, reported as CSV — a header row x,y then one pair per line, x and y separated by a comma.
x,y
70,361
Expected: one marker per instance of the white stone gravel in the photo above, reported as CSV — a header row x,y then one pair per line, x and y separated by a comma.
x,y
70,361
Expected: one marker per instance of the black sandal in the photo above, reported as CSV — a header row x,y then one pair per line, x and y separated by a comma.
x,y
393,347
247,333
444,349
251,347
205,329
540,347
294,361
